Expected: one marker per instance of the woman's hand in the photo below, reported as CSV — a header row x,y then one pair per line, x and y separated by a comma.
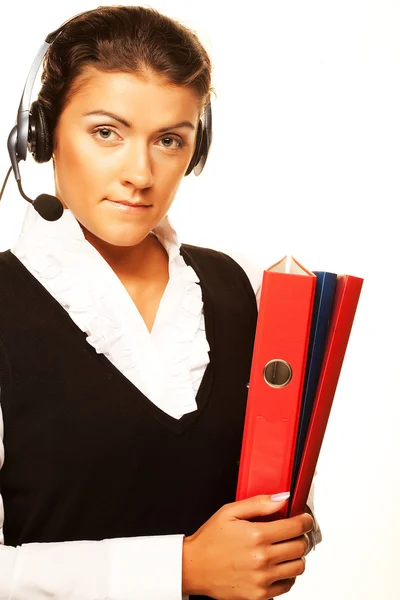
x,y
232,558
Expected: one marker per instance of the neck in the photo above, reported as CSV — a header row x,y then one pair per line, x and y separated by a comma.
x,y
131,261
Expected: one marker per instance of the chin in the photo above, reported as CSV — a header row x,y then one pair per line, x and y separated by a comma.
x,y
117,237
123,241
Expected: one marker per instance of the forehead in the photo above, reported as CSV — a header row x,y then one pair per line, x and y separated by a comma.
x,y
148,96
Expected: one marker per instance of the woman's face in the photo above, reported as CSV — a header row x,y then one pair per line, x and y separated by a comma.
x,y
126,138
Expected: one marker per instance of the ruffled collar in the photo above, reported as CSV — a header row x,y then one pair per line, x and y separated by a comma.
x,y
75,273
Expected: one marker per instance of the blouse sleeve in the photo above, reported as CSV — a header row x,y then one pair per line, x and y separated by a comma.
x,y
112,569
254,272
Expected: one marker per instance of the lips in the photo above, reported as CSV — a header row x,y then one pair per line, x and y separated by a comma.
x,y
127,203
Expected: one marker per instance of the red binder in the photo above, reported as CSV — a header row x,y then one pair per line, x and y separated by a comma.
x,y
276,380
348,289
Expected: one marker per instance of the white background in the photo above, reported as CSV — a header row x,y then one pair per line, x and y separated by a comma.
x,y
305,160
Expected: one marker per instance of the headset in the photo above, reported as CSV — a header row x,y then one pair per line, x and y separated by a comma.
x,y
31,133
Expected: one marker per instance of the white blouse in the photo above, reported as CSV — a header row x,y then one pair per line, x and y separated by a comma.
x,y
81,280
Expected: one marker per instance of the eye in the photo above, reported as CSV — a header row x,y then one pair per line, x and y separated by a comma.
x,y
104,133
172,142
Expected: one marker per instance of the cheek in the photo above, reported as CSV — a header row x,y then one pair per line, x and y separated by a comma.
x,y
77,163
167,182
75,152
169,171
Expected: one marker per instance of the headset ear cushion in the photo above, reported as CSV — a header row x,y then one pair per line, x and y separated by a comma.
x,y
197,151
39,140
203,151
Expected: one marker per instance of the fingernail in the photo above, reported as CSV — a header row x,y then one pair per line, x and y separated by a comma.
x,y
280,497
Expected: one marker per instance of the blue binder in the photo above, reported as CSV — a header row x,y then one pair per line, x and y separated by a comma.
x,y
323,303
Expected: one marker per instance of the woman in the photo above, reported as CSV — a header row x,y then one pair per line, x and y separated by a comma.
x,y
123,381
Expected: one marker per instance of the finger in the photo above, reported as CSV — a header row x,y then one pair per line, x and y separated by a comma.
x,y
289,550
253,507
280,587
288,570
309,522
286,529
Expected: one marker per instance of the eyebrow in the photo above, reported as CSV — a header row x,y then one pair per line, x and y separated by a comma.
x,y
128,124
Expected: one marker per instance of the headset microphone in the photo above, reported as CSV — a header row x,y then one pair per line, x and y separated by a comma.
x,y
48,207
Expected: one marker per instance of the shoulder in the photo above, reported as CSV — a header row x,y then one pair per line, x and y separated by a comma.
x,y
13,275
254,270
232,262
8,272
8,263
216,259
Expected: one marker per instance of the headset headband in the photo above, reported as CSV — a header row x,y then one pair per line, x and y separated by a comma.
x,y
24,106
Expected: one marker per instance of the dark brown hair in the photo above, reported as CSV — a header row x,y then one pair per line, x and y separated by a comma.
x,y
122,38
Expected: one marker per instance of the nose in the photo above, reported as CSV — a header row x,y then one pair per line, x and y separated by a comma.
x,y
137,167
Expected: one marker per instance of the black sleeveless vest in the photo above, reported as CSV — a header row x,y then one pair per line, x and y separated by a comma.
x,y
87,455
